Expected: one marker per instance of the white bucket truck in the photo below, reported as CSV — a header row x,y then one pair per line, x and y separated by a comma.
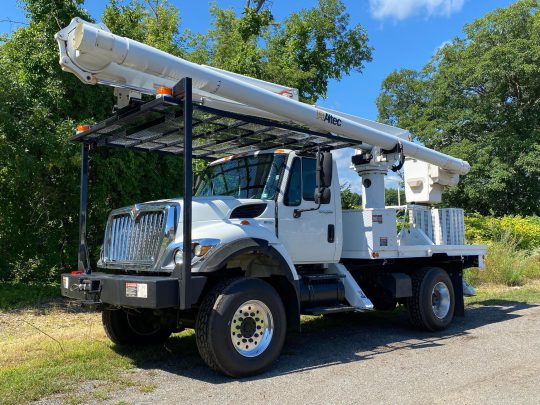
x,y
261,237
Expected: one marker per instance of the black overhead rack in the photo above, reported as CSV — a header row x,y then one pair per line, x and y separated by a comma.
x,y
157,126
179,126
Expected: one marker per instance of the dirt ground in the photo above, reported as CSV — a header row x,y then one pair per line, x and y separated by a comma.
x,y
492,355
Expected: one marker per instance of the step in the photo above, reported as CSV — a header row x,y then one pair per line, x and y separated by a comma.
x,y
322,276
329,310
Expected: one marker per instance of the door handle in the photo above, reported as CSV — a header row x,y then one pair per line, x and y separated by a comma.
x,y
325,212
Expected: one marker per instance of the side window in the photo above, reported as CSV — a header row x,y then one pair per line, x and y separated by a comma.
x,y
293,195
308,177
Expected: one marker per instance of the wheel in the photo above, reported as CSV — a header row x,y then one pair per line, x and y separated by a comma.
x,y
240,327
432,304
130,328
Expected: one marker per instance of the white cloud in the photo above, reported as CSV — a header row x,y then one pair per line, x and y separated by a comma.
x,y
402,9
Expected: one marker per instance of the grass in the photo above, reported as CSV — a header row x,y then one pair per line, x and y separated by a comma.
x,y
45,353
488,294
55,350
18,295
52,350
507,264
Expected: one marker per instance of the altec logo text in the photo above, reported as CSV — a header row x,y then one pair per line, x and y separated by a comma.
x,y
325,117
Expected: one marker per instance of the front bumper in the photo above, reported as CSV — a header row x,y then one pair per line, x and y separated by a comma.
x,y
122,290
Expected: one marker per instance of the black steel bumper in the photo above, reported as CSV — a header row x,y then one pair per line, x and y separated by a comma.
x,y
128,290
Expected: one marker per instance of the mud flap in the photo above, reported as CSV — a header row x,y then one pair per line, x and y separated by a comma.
x,y
457,283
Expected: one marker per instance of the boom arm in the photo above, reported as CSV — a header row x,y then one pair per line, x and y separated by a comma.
x,y
96,55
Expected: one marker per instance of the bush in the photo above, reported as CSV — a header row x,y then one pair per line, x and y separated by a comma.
x,y
524,230
506,263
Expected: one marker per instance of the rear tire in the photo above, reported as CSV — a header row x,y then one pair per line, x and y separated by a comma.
x,y
432,304
131,329
241,326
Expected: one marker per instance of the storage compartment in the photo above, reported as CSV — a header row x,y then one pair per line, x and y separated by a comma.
x,y
371,231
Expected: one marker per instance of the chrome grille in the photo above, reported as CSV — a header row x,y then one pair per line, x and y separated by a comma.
x,y
134,239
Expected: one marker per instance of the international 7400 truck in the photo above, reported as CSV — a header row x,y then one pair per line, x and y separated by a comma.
x,y
260,237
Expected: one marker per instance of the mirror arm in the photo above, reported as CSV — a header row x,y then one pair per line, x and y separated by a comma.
x,y
297,213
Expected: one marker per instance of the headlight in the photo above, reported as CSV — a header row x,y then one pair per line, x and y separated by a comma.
x,y
199,248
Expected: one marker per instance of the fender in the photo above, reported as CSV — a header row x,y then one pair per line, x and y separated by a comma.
x,y
227,251
289,290
237,239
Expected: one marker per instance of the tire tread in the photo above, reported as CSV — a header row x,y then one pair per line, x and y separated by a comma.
x,y
202,325
413,303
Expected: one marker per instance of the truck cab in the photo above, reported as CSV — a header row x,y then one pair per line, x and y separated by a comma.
x,y
283,182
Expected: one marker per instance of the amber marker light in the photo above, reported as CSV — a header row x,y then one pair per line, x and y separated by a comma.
x,y
82,128
164,91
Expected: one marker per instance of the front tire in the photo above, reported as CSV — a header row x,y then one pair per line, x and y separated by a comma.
x,y
241,327
134,329
432,304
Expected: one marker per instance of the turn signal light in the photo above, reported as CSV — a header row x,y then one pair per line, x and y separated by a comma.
x,y
164,91
82,128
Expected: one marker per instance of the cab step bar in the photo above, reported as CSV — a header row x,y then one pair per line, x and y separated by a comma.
x,y
329,310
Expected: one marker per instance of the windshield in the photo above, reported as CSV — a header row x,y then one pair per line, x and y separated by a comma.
x,y
247,177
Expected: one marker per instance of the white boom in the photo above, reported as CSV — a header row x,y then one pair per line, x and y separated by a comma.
x,y
96,55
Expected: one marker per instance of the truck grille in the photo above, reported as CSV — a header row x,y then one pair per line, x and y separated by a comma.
x,y
135,236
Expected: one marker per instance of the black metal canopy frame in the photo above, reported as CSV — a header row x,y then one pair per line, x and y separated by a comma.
x,y
178,126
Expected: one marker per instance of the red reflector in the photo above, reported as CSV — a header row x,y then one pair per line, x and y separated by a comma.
x,y
76,272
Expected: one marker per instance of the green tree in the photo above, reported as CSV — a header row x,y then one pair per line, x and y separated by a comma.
x,y
39,181
349,199
40,105
479,99
306,50
391,196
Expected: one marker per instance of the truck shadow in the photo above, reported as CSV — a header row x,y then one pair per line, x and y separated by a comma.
x,y
327,341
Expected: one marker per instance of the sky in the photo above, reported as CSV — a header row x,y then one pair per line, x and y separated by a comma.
x,y
403,33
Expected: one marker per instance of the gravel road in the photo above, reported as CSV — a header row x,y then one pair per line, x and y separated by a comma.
x,y
490,356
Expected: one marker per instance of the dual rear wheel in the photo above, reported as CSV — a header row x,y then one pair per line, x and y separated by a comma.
x,y
432,304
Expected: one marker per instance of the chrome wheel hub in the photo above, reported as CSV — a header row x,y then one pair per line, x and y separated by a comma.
x,y
252,327
440,300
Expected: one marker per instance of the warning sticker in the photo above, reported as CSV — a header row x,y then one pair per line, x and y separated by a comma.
x,y
383,241
137,290
66,282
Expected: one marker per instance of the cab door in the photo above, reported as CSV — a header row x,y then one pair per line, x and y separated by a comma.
x,y
311,237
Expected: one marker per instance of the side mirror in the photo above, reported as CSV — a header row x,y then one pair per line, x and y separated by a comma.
x,y
324,196
325,164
